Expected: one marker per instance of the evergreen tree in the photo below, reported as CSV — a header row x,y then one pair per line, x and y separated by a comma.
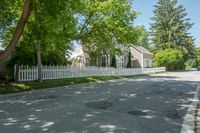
x,y
114,62
129,60
170,28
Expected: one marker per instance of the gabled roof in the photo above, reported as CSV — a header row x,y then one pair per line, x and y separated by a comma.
x,y
143,50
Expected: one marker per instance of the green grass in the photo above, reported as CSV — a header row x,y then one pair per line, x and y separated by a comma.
x,y
13,87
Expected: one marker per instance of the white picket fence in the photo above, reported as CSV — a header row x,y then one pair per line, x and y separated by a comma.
x,y
27,73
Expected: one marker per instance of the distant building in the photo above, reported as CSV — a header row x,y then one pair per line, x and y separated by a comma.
x,y
78,61
140,58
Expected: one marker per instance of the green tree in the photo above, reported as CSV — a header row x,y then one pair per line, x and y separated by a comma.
x,y
169,58
114,62
45,21
54,24
11,17
197,59
143,39
170,28
104,20
129,65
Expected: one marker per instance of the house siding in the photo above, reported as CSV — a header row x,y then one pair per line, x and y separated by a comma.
x,y
147,60
138,58
141,58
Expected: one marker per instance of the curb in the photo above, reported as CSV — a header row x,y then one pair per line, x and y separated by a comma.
x,y
197,129
192,118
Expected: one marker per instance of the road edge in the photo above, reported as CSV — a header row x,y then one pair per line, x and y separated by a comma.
x,y
189,123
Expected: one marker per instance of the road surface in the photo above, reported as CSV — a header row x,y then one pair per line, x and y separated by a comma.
x,y
148,104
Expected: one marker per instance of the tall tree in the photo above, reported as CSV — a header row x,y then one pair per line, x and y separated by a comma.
x,y
143,40
27,8
103,20
129,64
56,23
41,19
170,28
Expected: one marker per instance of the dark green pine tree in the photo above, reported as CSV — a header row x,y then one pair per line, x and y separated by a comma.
x,y
170,28
114,62
129,60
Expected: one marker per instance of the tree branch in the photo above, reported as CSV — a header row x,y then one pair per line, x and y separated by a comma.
x,y
27,8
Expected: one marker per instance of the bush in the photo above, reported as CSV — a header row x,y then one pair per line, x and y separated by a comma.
x,y
171,59
191,63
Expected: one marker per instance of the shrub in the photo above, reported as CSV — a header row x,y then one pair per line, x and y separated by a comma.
x,y
171,59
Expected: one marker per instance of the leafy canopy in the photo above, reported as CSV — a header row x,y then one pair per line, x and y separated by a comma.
x,y
57,23
170,28
169,58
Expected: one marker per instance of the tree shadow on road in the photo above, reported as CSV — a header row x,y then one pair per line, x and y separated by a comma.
x,y
147,104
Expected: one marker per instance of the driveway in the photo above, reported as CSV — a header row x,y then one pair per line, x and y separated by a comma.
x,y
148,104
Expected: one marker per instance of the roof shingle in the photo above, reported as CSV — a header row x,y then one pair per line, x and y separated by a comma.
x,y
143,50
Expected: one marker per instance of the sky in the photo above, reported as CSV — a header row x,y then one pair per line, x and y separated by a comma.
x,y
145,7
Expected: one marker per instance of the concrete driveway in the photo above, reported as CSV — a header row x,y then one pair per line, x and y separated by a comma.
x,y
150,104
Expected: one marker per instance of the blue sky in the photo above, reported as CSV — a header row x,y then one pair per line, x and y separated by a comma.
x,y
145,7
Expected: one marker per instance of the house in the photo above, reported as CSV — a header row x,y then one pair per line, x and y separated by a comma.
x,y
78,61
140,58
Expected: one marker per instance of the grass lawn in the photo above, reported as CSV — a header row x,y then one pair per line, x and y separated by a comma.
x,y
12,87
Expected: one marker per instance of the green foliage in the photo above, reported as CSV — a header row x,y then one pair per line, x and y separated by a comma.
x,y
10,12
129,65
197,57
191,63
54,57
169,58
51,24
170,28
55,24
104,20
114,62
143,39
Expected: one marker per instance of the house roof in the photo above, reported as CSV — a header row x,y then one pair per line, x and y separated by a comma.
x,y
143,50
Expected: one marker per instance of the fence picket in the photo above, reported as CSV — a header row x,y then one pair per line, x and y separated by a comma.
x,y
27,73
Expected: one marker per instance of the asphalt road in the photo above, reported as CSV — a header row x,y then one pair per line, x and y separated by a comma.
x,y
149,104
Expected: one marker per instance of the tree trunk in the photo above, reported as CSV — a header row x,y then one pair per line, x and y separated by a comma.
x,y
16,74
39,61
28,5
